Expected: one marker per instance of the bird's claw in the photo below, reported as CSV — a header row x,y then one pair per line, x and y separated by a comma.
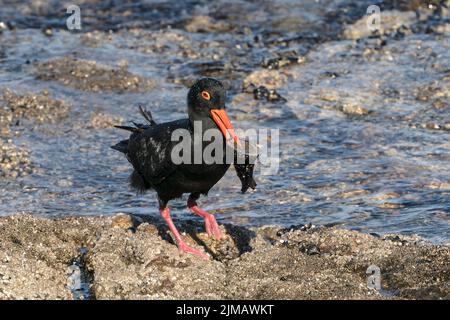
x,y
187,249
212,227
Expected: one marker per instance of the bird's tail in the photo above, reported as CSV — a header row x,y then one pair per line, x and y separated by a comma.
x,y
147,115
122,146
138,183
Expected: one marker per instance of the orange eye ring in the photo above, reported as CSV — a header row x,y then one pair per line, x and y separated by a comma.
x,y
206,95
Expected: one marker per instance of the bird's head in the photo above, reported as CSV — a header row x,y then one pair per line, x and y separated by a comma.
x,y
206,99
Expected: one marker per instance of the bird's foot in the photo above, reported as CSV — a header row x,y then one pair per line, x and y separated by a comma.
x,y
212,227
187,249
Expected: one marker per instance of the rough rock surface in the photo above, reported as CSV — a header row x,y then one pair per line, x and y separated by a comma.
x,y
37,106
102,120
14,160
135,258
35,254
90,76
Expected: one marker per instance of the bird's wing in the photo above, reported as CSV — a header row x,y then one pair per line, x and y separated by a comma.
x,y
150,151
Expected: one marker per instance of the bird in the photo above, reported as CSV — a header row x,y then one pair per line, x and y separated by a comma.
x,y
149,149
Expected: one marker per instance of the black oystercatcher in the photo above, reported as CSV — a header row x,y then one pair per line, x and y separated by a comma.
x,y
149,150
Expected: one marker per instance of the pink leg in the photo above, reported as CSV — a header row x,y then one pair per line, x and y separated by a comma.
x,y
181,244
211,226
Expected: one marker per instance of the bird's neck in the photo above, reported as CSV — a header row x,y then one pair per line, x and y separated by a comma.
x,y
201,124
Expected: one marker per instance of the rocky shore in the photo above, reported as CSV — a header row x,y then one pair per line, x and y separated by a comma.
x,y
129,257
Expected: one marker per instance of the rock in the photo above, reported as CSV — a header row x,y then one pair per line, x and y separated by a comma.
x,y
35,255
90,76
271,79
270,95
301,262
385,195
102,120
440,104
206,24
223,250
125,221
147,267
283,60
37,106
354,109
390,205
432,126
14,161
438,185
353,193
443,28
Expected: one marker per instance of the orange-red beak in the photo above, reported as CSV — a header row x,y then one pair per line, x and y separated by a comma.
x,y
220,117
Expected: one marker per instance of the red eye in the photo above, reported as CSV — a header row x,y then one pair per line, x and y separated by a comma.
x,y
206,95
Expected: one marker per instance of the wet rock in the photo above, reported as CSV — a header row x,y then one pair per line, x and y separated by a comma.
x,y
390,205
440,104
354,109
270,79
270,95
6,118
14,161
403,240
292,228
283,60
206,24
37,106
437,185
329,75
437,90
444,28
385,195
432,126
102,120
90,76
